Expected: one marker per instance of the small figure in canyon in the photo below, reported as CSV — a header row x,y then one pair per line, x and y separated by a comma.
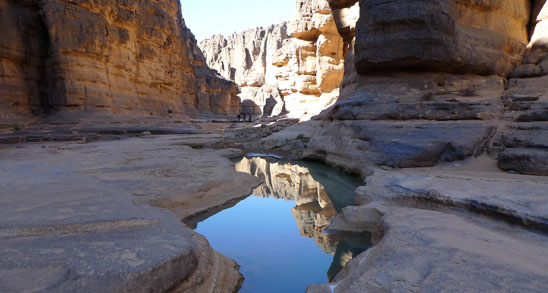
x,y
239,117
170,112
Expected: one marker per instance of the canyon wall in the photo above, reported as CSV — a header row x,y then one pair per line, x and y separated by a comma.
x,y
433,81
117,56
292,68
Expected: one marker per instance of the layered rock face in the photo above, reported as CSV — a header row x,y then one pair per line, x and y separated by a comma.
x,y
425,82
292,68
135,56
23,55
484,37
522,141
428,82
99,232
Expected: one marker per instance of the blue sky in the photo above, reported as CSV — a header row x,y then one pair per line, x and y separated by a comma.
x,y
208,17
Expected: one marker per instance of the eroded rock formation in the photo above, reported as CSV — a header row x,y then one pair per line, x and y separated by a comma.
x,y
134,56
431,91
429,102
294,67
81,219
428,82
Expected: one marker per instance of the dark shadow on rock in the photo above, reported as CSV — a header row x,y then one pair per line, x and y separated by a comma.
x,y
248,107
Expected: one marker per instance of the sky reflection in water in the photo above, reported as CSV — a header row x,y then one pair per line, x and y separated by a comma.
x,y
276,235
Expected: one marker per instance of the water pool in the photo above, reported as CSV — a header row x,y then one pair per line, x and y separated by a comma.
x,y
276,234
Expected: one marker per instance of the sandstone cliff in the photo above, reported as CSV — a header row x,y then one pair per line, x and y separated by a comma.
x,y
294,67
428,82
429,91
135,56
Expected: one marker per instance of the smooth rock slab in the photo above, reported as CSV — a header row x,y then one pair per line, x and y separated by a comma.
x,y
429,251
515,198
73,233
353,145
71,221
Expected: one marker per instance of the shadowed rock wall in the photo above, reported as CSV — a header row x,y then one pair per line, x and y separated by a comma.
x,y
136,56
23,54
464,36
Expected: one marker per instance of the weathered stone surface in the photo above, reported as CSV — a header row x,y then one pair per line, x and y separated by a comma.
x,y
424,250
78,220
449,35
518,199
23,55
396,144
526,161
526,70
522,142
407,120
301,61
116,56
429,235
391,90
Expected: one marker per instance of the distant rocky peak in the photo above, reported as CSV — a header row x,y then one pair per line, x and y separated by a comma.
x,y
293,68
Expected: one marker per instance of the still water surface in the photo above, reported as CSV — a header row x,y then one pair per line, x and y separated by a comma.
x,y
276,234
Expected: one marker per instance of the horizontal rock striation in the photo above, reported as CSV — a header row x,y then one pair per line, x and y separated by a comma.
x,y
428,250
522,142
481,37
428,82
81,219
119,56
433,226
434,89
292,68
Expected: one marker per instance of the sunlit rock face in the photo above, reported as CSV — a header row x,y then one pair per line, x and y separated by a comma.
x,y
295,182
521,142
424,82
248,59
296,66
113,55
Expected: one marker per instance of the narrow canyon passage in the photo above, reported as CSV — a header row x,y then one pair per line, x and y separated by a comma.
x,y
131,141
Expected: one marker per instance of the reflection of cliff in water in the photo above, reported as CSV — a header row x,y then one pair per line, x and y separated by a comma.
x,y
320,193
